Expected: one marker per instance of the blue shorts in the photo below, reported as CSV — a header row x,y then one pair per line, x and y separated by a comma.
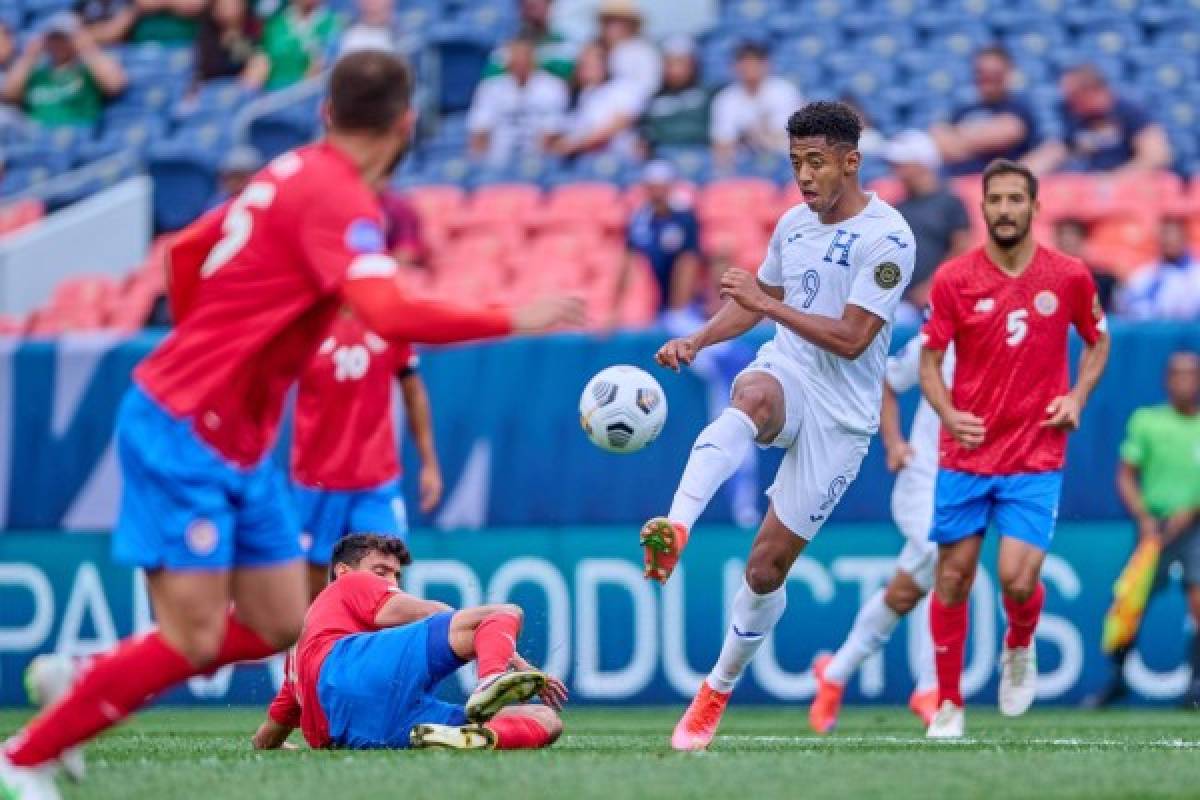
x,y
326,516
184,507
374,687
1021,506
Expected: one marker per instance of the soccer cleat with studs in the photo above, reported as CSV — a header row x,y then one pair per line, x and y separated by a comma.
x,y
662,543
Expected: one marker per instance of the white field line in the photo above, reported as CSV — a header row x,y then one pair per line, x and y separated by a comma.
x,y
869,741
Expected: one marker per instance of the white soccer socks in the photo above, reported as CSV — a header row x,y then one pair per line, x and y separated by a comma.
x,y
926,668
718,452
753,617
873,627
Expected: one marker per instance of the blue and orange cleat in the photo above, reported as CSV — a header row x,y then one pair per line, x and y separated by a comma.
x,y
696,729
823,713
663,542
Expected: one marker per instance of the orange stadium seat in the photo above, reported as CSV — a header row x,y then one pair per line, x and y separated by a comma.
x,y
890,190
1122,244
736,198
84,292
583,205
506,204
437,202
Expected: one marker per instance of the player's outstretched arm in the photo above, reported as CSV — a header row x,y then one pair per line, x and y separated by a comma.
x,y
730,321
392,313
402,608
272,736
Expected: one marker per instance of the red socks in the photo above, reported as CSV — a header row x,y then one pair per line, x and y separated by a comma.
x,y
1023,617
514,732
495,643
948,625
116,684
112,687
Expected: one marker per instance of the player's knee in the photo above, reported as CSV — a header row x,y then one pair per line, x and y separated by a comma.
x,y
902,597
953,583
756,402
512,609
1018,587
199,644
764,578
283,633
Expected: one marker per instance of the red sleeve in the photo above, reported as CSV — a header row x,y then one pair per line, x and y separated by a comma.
x,y
405,359
285,708
386,309
362,595
336,233
184,257
938,331
1087,314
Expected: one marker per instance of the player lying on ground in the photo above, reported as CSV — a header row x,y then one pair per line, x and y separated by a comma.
x,y
254,286
835,270
371,657
345,469
915,462
1007,308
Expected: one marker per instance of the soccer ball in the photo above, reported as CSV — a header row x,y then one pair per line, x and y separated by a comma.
x,y
622,409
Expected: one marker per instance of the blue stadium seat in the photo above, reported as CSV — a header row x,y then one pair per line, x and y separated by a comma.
x,y
185,179
960,40
693,163
1111,40
417,16
456,170
809,45
1185,35
1158,70
886,42
461,58
282,130
41,9
63,138
749,12
17,180
218,98
149,93
38,156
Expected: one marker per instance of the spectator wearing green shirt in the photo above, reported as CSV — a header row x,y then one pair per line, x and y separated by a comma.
x,y
63,77
1159,483
677,116
555,54
294,45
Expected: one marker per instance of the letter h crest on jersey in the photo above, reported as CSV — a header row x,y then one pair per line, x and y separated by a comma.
x,y
841,243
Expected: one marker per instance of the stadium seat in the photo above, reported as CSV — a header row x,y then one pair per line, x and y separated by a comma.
x,y
185,180
733,200
462,54
282,130
437,204
573,206
213,99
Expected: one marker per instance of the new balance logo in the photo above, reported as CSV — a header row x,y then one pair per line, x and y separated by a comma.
x,y
794,237
815,517
747,634
985,305
705,446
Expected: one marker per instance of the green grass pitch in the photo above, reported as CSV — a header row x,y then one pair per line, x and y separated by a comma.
x,y
761,754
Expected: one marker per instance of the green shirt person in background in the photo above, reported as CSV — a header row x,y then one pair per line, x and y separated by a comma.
x,y
555,54
62,77
166,22
1159,483
294,44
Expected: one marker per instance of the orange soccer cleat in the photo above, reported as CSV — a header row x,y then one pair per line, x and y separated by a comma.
x,y
823,713
663,542
924,704
698,726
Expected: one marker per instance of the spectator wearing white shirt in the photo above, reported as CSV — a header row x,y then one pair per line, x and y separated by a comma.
x,y
602,112
376,29
518,112
752,113
1168,289
631,57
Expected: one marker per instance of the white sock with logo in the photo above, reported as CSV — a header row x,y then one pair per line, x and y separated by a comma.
x,y
926,667
718,452
872,628
753,617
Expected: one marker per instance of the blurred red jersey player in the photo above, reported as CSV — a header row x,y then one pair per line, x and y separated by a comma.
x,y
1007,307
345,465
255,285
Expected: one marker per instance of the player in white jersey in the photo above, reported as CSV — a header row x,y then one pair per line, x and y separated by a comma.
x,y
834,272
915,462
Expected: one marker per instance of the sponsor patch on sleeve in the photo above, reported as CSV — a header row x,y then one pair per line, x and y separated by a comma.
x,y
365,236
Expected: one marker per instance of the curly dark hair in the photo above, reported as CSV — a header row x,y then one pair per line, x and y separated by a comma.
x,y
837,122
350,550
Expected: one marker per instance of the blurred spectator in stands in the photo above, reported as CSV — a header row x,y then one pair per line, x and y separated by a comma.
x,y
601,112
377,28
235,171
62,77
939,222
871,142
295,44
632,58
667,236
8,48
555,53
226,41
1170,287
1070,237
752,113
997,124
170,22
1101,131
518,112
678,115
402,227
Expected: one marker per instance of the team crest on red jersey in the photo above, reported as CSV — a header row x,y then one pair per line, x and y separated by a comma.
x,y
1046,302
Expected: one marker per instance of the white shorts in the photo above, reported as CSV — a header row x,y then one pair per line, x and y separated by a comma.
x,y
822,457
912,510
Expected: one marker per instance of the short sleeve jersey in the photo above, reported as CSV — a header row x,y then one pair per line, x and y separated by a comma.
x,y
662,240
982,112
1010,340
344,438
1164,445
866,261
1105,142
273,263
347,606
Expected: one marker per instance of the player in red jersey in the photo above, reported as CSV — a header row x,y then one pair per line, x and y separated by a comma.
x,y
1007,308
255,285
371,657
345,468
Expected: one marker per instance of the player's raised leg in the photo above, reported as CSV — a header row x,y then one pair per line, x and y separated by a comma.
x,y
488,634
757,413
527,727
759,604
